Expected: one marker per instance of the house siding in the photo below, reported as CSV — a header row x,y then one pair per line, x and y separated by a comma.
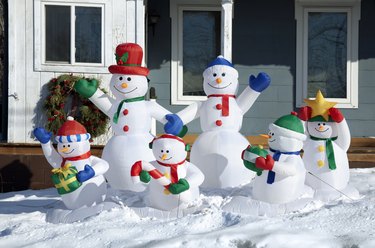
x,y
264,39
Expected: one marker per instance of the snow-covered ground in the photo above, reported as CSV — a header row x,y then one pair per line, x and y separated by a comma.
x,y
338,224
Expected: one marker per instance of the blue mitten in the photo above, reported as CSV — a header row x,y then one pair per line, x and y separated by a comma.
x,y
42,135
174,124
86,174
259,83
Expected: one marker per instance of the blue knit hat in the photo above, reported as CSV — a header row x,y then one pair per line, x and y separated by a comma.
x,y
220,61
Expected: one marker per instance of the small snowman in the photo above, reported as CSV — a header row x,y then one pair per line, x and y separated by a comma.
x,y
217,151
325,149
175,182
130,115
285,177
73,155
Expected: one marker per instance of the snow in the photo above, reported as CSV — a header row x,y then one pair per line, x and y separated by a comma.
x,y
343,223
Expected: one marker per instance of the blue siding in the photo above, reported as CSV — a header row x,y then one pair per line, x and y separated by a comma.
x,y
264,39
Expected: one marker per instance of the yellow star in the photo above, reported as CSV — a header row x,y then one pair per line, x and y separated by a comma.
x,y
319,105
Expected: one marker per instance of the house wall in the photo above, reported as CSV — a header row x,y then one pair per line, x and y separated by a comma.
x,y
26,112
264,39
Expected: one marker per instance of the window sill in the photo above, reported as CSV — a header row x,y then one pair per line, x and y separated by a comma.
x,y
72,68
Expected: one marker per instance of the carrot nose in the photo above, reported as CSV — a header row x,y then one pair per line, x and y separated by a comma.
x,y
265,136
164,156
321,128
65,149
219,80
124,85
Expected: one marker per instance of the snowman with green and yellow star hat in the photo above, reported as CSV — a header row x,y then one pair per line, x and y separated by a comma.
x,y
325,149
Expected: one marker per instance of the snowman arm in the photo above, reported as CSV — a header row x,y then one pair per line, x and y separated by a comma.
x,y
53,158
102,101
190,113
287,167
99,165
343,135
194,176
247,98
157,111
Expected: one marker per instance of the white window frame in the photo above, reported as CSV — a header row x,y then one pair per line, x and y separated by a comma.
x,y
40,63
176,12
352,8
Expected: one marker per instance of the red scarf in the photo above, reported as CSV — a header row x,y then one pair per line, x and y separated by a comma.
x,y
174,174
224,102
80,157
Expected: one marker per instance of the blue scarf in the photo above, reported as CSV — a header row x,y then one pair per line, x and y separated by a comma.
x,y
276,157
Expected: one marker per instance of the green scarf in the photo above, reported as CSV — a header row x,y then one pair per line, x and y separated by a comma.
x,y
329,151
135,99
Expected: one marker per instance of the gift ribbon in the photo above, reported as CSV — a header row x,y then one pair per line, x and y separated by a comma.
x,y
65,170
64,183
224,102
276,156
329,151
117,114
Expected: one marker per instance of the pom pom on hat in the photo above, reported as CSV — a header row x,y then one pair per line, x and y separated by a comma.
x,y
72,131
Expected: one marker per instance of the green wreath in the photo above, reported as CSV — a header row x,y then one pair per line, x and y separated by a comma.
x,y
63,100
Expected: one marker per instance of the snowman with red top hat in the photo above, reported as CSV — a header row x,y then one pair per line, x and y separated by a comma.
x,y
173,181
130,114
73,156
217,151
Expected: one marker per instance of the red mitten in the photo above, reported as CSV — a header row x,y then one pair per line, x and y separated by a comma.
x,y
265,163
336,115
304,113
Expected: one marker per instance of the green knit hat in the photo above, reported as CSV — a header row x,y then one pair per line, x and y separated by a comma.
x,y
290,126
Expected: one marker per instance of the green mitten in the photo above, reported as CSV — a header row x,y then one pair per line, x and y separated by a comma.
x,y
179,187
145,176
86,88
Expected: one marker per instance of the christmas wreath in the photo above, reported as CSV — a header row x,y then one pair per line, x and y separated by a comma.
x,y
63,101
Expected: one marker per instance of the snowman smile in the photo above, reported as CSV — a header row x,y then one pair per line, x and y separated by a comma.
x,y
114,86
219,87
165,158
69,152
322,131
271,140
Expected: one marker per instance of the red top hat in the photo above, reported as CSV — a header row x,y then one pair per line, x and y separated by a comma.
x,y
129,59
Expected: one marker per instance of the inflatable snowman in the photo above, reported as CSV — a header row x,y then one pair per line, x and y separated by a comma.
x,y
325,149
217,151
129,112
283,178
175,182
73,155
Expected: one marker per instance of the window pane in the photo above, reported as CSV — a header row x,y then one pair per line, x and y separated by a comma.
x,y
201,44
88,34
57,33
327,54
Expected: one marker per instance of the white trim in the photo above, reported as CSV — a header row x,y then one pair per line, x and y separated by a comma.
x,y
106,38
176,10
352,8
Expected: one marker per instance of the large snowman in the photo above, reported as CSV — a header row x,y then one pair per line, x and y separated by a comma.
x,y
175,182
217,151
325,149
129,112
283,178
73,149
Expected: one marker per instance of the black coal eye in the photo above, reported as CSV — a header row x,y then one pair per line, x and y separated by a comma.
x,y
167,151
273,134
223,74
214,74
129,79
68,145
324,124
162,151
318,124
63,146
120,78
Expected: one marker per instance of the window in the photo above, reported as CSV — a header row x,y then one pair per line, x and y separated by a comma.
x,y
70,36
200,32
327,50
